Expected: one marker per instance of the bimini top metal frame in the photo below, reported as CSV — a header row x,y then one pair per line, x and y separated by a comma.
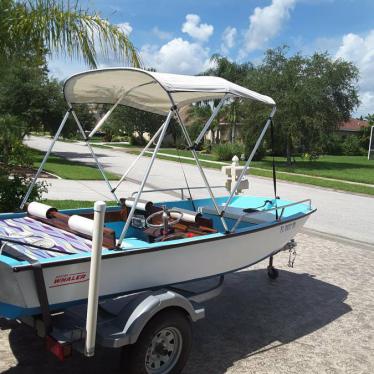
x,y
158,93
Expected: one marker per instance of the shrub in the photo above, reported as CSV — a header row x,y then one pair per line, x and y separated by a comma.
x,y
225,152
249,144
120,138
137,140
351,146
13,189
194,130
333,145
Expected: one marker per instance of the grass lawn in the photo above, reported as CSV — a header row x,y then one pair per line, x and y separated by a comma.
x,y
68,169
345,168
73,204
349,168
121,145
308,178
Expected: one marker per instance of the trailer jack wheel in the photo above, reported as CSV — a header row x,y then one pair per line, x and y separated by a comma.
x,y
273,273
163,346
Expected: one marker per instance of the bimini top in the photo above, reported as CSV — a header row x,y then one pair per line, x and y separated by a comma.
x,y
149,91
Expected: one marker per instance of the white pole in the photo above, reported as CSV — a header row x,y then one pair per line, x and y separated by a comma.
x,y
93,154
194,154
235,163
139,156
41,167
370,142
210,120
246,166
94,282
137,197
105,117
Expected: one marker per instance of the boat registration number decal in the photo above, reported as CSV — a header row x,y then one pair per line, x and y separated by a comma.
x,y
67,279
287,227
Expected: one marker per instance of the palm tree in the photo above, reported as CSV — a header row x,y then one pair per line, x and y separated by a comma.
x,y
234,72
62,29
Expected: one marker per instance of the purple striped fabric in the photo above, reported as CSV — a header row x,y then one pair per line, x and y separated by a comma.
x,y
28,230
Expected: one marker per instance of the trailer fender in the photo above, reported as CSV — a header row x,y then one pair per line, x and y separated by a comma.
x,y
129,323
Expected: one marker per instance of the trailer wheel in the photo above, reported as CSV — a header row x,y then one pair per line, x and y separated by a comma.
x,y
163,345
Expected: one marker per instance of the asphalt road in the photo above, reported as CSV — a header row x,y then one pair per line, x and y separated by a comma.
x,y
317,317
339,213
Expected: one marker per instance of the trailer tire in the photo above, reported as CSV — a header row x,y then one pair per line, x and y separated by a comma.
x,y
163,346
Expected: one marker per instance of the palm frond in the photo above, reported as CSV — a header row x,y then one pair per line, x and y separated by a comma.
x,y
66,29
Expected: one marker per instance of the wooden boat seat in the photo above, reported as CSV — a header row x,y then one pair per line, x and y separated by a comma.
x,y
60,220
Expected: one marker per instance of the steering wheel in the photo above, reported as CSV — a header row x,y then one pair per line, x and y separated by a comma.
x,y
166,221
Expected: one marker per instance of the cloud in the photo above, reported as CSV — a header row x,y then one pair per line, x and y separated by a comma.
x,y
176,56
162,34
360,50
125,27
228,39
199,31
264,24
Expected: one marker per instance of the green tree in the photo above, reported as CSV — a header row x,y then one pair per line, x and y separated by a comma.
x,y
313,95
130,121
234,72
63,29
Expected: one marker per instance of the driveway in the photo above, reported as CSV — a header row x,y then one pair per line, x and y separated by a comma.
x,y
339,213
315,318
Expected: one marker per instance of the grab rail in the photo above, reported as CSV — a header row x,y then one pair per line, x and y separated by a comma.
x,y
282,208
181,189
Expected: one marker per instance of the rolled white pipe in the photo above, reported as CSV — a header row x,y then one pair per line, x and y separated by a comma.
x,y
40,210
94,282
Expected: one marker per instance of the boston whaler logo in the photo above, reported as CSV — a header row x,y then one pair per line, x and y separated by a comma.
x,y
66,279
287,227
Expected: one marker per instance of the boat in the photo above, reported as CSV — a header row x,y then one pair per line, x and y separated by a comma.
x,y
45,254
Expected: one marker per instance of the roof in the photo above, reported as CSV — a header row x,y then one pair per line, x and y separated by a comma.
x,y
150,91
353,125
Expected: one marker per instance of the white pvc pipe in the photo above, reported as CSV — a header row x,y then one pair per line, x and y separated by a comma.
x,y
94,282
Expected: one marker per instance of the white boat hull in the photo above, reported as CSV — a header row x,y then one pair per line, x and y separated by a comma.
x,y
67,283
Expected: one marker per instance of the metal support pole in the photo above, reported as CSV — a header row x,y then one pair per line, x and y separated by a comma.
x,y
138,157
370,142
132,211
188,139
210,120
41,167
94,282
250,158
99,166
105,117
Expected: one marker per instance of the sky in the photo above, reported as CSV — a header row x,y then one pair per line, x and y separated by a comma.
x,y
178,36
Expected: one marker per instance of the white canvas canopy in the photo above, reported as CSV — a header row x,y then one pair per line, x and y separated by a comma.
x,y
158,93
150,91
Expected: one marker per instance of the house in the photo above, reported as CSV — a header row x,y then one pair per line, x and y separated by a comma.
x,y
352,127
